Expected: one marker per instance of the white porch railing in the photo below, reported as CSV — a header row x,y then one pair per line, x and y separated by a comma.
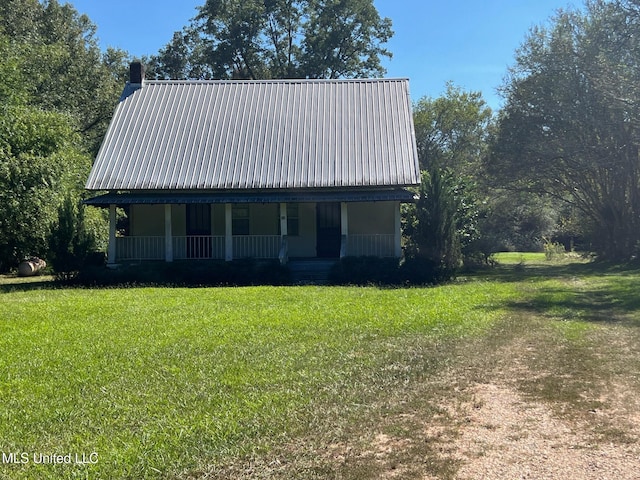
x,y
139,248
244,246
198,247
377,245
256,246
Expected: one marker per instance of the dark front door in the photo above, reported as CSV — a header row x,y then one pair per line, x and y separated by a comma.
x,y
198,230
328,229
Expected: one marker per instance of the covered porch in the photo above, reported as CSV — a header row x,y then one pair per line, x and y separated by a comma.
x,y
282,226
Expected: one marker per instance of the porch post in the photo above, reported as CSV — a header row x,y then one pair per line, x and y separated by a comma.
x,y
111,252
168,235
397,244
284,247
344,229
228,232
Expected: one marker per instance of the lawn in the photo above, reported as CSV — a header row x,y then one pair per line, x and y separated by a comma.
x,y
158,381
176,382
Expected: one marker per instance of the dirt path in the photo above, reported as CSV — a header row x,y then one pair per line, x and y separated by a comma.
x,y
521,404
507,436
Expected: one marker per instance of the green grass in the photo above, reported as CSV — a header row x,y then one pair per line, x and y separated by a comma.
x,y
511,258
159,381
178,382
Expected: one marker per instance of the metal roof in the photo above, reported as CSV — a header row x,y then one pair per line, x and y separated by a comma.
x,y
278,134
251,196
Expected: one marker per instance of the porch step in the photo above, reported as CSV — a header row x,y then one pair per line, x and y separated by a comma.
x,y
311,271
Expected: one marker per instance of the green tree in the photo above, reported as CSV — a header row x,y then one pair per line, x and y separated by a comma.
x,y
570,126
452,131
432,224
451,138
257,39
63,67
40,163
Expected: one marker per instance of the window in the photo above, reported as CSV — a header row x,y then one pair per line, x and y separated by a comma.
x,y
293,222
240,220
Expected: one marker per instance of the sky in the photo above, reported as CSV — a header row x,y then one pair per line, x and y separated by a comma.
x,y
470,43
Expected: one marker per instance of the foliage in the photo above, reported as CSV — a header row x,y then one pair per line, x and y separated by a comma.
x,y
38,162
570,126
71,244
203,273
62,67
256,39
452,130
518,221
451,138
57,93
432,227
553,250
387,272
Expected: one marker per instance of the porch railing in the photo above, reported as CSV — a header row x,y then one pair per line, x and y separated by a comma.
x,y
256,246
198,247
244,246
377,245
139,248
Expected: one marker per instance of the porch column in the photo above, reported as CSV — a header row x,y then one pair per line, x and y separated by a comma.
x,y
344,229
283,256
228,232
397,243
111,252
168,235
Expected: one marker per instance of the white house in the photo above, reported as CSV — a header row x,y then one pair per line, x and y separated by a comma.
x,y
263,169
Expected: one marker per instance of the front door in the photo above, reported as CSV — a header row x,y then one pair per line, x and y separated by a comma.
x,y
198,230
328,230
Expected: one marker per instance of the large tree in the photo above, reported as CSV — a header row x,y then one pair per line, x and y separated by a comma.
x,y
256,39
40,162
570,127
64,69
452,131
57,93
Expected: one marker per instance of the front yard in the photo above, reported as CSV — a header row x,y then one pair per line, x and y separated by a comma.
x,y
311,382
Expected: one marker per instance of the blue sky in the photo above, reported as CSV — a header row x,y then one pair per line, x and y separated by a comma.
x,y
468,42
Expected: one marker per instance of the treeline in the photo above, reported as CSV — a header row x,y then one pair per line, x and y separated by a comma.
x,y
57,94
558,163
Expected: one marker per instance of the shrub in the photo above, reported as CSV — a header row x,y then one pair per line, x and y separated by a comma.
x,y
388,271
188,273
552,250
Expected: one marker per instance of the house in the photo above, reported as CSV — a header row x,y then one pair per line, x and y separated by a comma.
x,y
262,169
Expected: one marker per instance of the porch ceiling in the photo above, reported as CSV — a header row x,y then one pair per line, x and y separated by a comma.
x,y
133,198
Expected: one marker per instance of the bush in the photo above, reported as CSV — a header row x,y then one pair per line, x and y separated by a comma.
x,y
188,273
388,271
364,270
553,250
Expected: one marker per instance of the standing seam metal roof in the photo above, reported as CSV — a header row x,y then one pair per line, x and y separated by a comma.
x,y
259,134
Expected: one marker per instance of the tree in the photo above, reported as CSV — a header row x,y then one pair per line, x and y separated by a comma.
x,y
63,67
570,126
432,225
41,162
452,131
451,138
257,39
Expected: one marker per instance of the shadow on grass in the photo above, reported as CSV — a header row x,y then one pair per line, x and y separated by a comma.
x,y
26,284
593,292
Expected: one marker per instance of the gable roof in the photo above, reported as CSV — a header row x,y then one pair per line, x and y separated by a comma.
x,y
279,134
